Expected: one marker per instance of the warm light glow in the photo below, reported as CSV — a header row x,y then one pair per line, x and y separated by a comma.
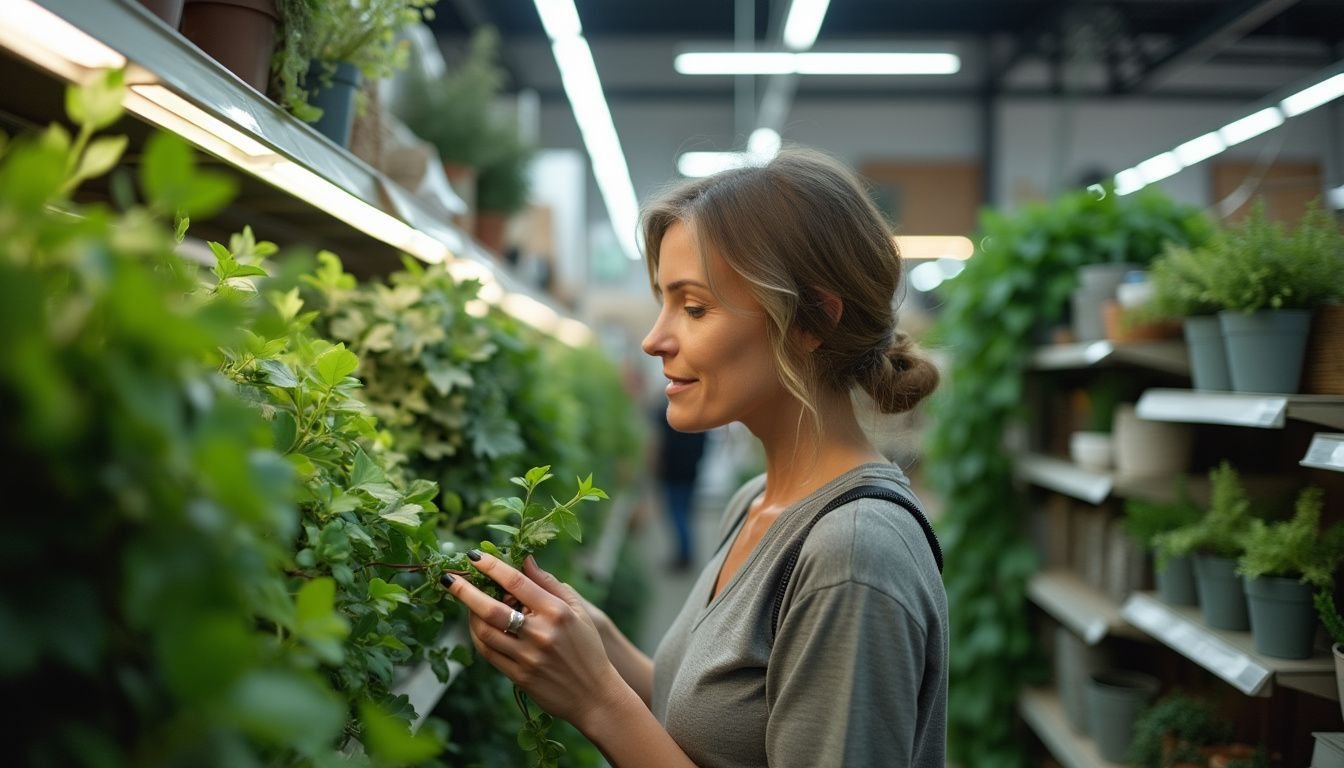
x,y
1155,169
1129,180
1310,98
804,23
573,332
763,144
531,311
953,247
812,63
179,107
1200,149
46,39
1251,126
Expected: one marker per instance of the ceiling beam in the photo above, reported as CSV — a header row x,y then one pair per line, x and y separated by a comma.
x,y
1219,32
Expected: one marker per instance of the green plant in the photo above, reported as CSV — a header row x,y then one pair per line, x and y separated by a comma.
x,y
1018,283
1147,520
1260,266
1222,530
1296,547
453,112
316,35
1172,731
502,183
1182,278
1328,611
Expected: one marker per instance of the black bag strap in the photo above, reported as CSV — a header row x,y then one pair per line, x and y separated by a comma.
x,y
861,492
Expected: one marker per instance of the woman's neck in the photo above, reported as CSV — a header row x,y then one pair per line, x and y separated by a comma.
x,y
799,460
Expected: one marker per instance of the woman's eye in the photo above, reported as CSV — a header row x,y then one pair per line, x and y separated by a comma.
x,y
695,311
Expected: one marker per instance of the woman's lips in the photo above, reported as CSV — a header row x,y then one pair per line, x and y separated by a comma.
x,y
675,385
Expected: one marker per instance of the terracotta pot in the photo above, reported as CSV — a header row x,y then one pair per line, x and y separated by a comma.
x,y
490,227
240,34
463,180
168,10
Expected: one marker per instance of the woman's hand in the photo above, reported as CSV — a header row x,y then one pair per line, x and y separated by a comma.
x,y
557,655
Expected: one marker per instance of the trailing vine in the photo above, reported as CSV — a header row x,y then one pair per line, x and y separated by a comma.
x,y
1017,283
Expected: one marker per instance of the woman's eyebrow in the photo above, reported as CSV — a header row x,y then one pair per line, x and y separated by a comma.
x,y
679,284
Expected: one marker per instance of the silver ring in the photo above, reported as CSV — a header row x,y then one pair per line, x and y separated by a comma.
x,y
515,622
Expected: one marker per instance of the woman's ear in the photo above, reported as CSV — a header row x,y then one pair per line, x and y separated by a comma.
x,y
833,307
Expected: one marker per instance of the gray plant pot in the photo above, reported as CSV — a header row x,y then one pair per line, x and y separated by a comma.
x,y
1222,598
1075,663
336,100
1114,700
1096,286
1265,349
1208,353
1283,619
1176,582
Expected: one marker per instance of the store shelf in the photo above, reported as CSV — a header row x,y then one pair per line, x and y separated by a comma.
x,y
1168,356
295,186
1325,452
1085,611
1242,410
1229,655
1042,712
421,685
1065,477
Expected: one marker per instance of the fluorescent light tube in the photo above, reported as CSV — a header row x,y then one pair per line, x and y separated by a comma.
x,y
804,23
698,164
1129,180
1251,126
763,144
560,18
1200,149
181,108
1310,98
954,247
1157,168
42,37
813,63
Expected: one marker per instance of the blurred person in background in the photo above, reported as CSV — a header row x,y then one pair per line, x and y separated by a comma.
x,y
677,458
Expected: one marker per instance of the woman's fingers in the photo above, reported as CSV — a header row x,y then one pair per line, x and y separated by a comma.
x,y
512,581
482,606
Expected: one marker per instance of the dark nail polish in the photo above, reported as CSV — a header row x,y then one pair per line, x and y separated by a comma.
x,y
473,555
446,579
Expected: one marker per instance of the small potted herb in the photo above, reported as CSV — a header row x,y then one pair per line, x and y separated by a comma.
x,y
1146,521
1216,541
1284,563
1175,732
502,188
1181,280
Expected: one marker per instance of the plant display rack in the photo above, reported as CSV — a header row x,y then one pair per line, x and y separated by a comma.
x,y
1042,711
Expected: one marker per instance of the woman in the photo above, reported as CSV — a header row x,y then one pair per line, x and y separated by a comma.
x,y
777,286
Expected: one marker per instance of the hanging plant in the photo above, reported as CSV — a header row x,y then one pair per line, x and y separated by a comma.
x,y
1016,285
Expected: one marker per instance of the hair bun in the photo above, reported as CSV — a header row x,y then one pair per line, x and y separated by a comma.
x,y
899,377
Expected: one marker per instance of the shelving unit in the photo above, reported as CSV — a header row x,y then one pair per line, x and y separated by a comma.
x,y
1066,478
1169,356
1325,452
1241,410
1042,712
1086,612
1229,655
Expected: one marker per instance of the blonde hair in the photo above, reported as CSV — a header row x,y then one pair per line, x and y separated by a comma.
x,y
801,229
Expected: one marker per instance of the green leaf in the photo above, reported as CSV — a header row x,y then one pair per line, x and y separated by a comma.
x,y
335,364
317,622
98,104
390,740
285,707
99,158
509,529
172,184
537,475
387,596
278,374
569,523
511,504
407,514
180,225
365,471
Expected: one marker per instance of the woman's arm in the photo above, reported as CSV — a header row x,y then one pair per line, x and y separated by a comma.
x,y
558,657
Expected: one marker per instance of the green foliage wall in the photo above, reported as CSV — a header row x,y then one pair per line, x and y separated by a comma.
x,y
1017,283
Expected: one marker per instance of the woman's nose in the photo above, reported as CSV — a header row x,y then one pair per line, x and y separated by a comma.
x,y
657,340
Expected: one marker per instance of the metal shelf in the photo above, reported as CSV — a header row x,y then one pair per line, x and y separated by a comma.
x,y
1168,356
1066,478
1229,655
1086,612
1242,410
421,685
1325,452
1041,710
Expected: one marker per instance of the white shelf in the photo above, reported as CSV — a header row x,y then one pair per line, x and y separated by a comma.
x,y
1085,611
1042,712
1229,655
421,685
1237,409
1169,356
1065,477
1325,452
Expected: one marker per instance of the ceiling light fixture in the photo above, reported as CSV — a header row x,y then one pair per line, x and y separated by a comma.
x,y
583,88
1314,96
815,63
1251,125
804,23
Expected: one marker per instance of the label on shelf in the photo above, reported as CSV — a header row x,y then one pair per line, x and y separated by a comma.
x,y
1326,452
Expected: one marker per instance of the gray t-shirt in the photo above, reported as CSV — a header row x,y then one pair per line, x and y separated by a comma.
x,y
858,673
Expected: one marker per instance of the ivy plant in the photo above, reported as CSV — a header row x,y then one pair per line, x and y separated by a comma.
x,y
1015,286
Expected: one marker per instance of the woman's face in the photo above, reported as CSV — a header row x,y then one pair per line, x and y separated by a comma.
x,y
715,351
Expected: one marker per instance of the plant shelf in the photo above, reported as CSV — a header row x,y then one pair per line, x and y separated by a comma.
x,y
1325,452
1066,478
1086,612
1242,410
1041,710
421,685
1167,356
1229,655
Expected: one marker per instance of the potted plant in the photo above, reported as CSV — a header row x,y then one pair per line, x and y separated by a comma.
x,y
1328,611
239,34
1175,732
502,188
1268,282
329,48
1181,280
1146,521
1215,541
1284,563
453,113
